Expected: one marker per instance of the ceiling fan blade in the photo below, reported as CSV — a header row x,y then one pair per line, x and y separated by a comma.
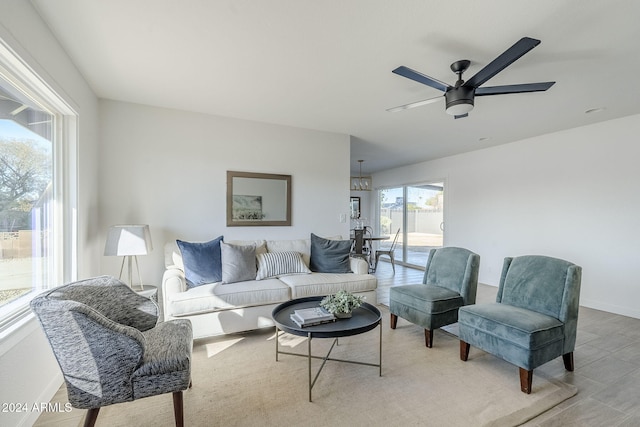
x,y
461,116
414,104
421,78
521,88
507,58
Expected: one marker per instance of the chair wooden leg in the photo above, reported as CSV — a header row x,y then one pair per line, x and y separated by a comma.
x,y
91,417
394,321
526,378
177,408
428,337
568,361
464,350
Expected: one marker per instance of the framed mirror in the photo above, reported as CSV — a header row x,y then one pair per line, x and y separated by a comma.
x,y
258,199
355,207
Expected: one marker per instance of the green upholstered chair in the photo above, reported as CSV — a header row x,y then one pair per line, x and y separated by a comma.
x,y
534,318
450,281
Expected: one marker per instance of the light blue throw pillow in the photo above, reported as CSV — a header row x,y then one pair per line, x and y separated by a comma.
x,y
202,262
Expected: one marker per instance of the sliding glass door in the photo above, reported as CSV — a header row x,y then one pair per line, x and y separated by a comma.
x,y
417,211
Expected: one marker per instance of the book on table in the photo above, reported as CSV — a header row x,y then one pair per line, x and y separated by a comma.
x,y
312,316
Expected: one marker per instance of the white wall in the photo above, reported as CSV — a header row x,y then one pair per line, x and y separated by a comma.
x,y
571,194
167,168
28,370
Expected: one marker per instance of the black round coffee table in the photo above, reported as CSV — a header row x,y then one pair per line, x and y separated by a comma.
x,y
363,319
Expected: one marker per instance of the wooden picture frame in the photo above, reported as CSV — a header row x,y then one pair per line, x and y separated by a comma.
x,y
258,199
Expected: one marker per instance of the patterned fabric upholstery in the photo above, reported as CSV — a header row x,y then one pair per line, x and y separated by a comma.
x,y
109,344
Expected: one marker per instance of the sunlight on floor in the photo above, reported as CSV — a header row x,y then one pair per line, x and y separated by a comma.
x,y
220,346
288,340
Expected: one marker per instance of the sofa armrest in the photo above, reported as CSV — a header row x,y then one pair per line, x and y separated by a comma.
x,y
359,265
173,282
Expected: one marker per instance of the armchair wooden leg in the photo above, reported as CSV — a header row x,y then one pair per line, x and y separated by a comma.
x,y
526,378
91,417
177,408
464,350
394,321
568,361
428,338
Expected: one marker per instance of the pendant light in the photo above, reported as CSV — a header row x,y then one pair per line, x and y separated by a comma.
x,y
360,183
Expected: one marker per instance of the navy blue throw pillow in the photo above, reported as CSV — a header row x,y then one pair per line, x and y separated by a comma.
x,y
330,256
202,262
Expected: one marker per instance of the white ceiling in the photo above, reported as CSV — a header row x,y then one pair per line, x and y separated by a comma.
x,y
327,64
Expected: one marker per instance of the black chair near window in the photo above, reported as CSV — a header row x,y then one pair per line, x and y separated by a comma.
x,y
360,245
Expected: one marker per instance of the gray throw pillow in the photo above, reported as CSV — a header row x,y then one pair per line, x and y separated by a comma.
x,y
330,256
238,262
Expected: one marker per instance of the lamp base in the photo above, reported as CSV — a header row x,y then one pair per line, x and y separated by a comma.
x,y
130,259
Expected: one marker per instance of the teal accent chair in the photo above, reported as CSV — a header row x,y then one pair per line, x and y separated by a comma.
x,y
450,281
534,319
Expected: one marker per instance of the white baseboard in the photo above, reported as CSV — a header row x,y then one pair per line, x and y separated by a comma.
x,y
45,396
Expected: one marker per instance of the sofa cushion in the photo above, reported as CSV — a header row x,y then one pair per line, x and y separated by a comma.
x,y
429,299
330,256
274,264
261,245
218,296
202,261
320,284
238,262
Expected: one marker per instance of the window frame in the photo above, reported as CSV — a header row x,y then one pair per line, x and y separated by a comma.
x,y
22,77
403,244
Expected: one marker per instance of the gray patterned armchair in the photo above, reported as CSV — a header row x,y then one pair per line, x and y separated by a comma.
x,y
110,346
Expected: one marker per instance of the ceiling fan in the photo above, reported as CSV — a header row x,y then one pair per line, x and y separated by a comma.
x,y
459,98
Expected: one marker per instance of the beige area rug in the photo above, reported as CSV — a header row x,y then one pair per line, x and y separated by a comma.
x,y
237,382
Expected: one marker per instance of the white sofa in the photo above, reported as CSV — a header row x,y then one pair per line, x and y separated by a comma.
x,y
218,308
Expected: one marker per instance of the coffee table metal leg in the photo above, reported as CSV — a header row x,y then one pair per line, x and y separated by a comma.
x,y
309,348
380,361
277,343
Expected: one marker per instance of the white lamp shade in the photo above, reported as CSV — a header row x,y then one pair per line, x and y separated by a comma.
x,y
125,240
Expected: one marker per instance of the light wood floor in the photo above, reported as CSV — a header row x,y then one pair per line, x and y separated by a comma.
x,y
607,361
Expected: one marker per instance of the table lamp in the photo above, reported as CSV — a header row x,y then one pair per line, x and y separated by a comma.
x,y
129,241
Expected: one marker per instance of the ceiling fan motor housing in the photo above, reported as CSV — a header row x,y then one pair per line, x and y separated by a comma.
x,y
459,100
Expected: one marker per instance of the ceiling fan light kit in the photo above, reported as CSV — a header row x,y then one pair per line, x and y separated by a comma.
x,y
459,99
